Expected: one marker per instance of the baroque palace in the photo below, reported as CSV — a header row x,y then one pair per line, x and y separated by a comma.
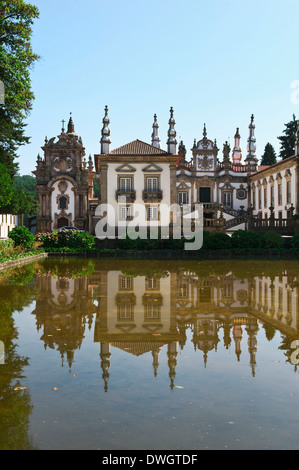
x,y
235,192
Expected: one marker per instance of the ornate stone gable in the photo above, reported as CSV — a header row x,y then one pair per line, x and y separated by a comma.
x,y
64,182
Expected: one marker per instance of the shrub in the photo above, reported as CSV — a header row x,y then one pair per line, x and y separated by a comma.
x,y
244,240
6,244
22,236
273,240
219,241
295,242
75,240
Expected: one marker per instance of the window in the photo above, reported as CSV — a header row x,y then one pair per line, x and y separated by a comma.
x,y
152,312
265,197
204,195
152,184
125,184
62,202
182,197
125,212
288,192
260,199
152,213
279,195
272,195
125,311
125,283
227,199
152,283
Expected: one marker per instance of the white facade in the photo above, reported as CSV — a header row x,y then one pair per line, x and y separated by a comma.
x,y
62,199
276,186
7,223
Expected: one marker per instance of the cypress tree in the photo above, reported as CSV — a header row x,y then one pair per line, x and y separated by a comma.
x,y
287,141
269,156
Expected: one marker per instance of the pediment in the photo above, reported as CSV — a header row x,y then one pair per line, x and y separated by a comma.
x,y
152,167
126,167
183,185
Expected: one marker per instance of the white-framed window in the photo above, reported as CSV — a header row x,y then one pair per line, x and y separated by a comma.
x,y
152,213
125,283
182,197
152,312
152,183
227,198
125,312
152,283
125,184
125,212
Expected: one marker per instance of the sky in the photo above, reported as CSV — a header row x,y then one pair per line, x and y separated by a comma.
x,y
215,62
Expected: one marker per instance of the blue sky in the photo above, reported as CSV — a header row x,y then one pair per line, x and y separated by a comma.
x,y
216,62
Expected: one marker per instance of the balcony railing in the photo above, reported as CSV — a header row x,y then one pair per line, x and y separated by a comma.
x,y
152,196
129,196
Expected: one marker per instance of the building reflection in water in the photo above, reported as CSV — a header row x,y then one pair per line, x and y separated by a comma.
x,y
141,312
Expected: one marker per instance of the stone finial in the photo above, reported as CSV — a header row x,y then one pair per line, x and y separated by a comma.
x,y
237,153
171,142
251,143
155,135
105,140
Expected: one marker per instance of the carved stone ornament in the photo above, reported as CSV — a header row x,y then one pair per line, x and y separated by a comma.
x,y
241,192
62,186
205,163
63,164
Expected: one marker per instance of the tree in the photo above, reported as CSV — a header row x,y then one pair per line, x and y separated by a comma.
x,y
18,196
16,60
269,156
6,190
287,141
24,198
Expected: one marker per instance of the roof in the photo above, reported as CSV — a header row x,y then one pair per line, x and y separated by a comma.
x,y
263,168
137,147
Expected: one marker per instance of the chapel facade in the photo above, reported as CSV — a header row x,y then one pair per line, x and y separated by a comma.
x,y
64,183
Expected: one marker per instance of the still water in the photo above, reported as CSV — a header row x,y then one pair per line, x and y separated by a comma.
x,y
130,355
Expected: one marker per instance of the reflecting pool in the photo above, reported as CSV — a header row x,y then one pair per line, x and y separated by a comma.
x,y
149,355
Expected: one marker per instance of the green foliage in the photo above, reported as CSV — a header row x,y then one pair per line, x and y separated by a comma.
x,y
27,183
66,240
219,241
6,243
6,189
23,203
16,60
96,188
273,240
269,156
244,240
287,141
295,242
66,268
22,236
17,196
